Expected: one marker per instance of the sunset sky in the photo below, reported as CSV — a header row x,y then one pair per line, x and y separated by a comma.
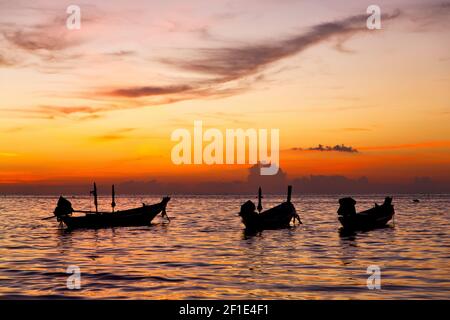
x,y
100,103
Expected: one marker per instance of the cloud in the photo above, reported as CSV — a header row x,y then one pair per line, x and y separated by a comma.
x,y
49,36
233,117
243,63
355,129
430,16
51,112
121,53
337,148
81,113
14,129
46,38
163,95
231,63
90,117
119,134
38,40
108,137
6,62
68,110
231,69
339,46
427,144
8,154
440,8
134,92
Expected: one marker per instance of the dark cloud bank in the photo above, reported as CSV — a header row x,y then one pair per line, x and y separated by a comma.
x,y
314,184
337,148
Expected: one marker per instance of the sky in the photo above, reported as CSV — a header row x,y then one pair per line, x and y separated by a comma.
x,y
100,103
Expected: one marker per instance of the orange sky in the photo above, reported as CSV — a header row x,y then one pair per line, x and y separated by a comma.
x,y
101,102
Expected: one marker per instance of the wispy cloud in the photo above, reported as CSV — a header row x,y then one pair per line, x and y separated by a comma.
x,y
52,112
231,63
230,70
41,37
119,134
235,69
6,62
149,91
50,35
121,53
163,95
108,138
430,15
47,37
8,154
14,129
68,110
426,144
355,129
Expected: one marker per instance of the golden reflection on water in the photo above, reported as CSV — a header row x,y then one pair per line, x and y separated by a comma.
x,y
204,254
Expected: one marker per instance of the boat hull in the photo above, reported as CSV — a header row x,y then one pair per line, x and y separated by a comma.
x,y
133,217
373,218
275,218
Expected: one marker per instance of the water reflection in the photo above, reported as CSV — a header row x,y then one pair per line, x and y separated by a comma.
x,y
199,255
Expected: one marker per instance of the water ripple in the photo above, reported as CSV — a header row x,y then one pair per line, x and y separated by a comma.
x,y
204,252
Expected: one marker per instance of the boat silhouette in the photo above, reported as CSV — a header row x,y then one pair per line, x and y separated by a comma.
x,y
139,216
277,217
373,218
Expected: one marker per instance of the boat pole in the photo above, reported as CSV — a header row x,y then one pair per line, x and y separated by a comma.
x,y
94,193
289,193
113,203
259,200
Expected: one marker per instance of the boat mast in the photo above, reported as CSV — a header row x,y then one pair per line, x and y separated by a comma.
x,y
94,193
113,203
289,193
259,200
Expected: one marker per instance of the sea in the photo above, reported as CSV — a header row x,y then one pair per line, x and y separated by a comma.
x,y
204,252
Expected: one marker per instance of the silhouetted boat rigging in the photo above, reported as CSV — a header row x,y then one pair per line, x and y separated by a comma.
x,y
140,216
277,217
375,217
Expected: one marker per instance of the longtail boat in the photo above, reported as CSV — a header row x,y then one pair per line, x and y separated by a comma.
x,y
140,216
373,218
277,217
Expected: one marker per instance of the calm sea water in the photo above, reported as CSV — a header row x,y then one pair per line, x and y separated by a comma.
x,y
203,252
